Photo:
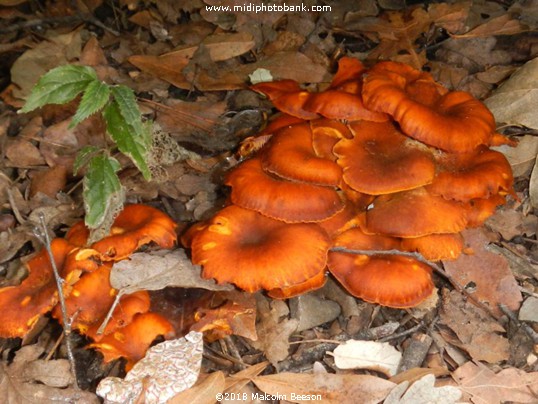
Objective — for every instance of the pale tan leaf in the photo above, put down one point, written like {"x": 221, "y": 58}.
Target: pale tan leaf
{"x": 486, "y": 387}
{"x": 226, "y": 46}
{"x": 204, "y": 392}
{"x": 523, "y": 156}
{"x": 326, "y": 388}
{"x": 504, "y": 24}
{"x": 423, "y": 391}
{"x": 378, "y": 356}
{"x": 514, "y": 102}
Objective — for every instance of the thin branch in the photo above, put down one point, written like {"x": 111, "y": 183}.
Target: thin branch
{"x": 42, "y": 234}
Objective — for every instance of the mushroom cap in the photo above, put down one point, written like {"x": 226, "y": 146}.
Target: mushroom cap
{"x": 287, "y": 96}
{"x": 135, "y": 226}
{"x": 435, "y": 247}
{"x": 309, "y": 285}
{"x": 335, "y": 104}
{"x": 455, "y": 121}
{"x": 255, "y": 252}
{"x": 356, "y": 239}
{"x": 415, "y": 213}
{"x": 388, "y": 280}
{"x": 478, "y": 210}
{"x": 24, "y": 304}
{"x": 350, "y": 71}
{"x": 380, "y": 160}
{"x": 290, "y": 155}
{"x": 465, "y": 176}
{"x": 289, "y": 201}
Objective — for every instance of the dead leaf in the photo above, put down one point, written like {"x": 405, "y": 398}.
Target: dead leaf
{"x": 514, "y": 102}
{"x": 325, "y": 387}
{"x": 204, "y": 392}
{"x": 167, "y": 369}
{"x": 523, "y": 156}
{"x": 486, "y": 387}
{"x": 18, "y": 386}
{"x": 274, "y": 329}
{"x": 492, "y": 280}
{"x": 504, "y": 24}
{"x": 451, "y": 17}
{"x": 373, "y": 355}
{"x": 478, "y": 332}
{"x": 158, "y": 270}
{"x": 423, "y": 391}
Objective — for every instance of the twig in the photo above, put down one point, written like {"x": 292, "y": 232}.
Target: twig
{"x": 528, "y": 330}
{"x": 42, "y": 234}
{"x": 414, "y": 255}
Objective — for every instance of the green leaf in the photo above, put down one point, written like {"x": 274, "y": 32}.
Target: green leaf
{"x": 94, "y": 99}
{"x": 128, "y": 107}
{"x": 83, "y": 157}
{"x": 130, "y": 143}
{"x": 59, "y": 86}
{"x": 102, "y": 190}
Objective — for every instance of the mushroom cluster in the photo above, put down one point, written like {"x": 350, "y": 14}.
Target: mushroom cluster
{"x": 384, "y": 160}
{"x": 89, "y": 296}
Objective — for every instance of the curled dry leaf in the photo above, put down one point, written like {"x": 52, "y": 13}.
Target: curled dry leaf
{"x": 378, "y": 356}
{"x": 158, "y": 270}
{"x": 423, "y": 391}
{"x": 167, "y": 369}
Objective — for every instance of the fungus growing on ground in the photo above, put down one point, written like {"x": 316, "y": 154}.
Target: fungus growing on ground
{"x": 256, "y": 252}
{"x": 386, "y": 166}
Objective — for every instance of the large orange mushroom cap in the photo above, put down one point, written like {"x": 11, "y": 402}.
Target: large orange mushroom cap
{"x": 134, "y": 227}
{"x": 380, "y": 160}
{"x": 349, "y": 74}
{"x": 453, "y": 121}
{"x": 466, "y": 176}
{"x": 24, "y": 304}
{"x": 289, "y": 201}
{"x": 255, "y": 252}
{"x": 290, "y": 155}
{"x": 415, "y": 213}
{"x": 388, "y": 280}
{"x": 355, "y": 239}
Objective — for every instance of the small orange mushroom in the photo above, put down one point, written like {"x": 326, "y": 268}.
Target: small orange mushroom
{"x": 135, "y": 226}
{"x": 24, "y": 304}
{"x": 380, "y": 160}
{"x": 309, "y": 285}
{"x": 435, "y": 247}
{"x": 255, "y": 252}
{"x": 290, "y": 201}
{"x": 290, "y": 155}
{"x": 388, "y": 280}
{"x": 415, "y": 213}
{"x": 465, "y": 176}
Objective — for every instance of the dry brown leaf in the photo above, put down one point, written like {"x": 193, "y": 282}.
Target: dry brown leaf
{"x": 476, "y": 330}
{"x": 508, "y": 222}
{"x": 504, "y": 24}
{"x": 24, "y": 381}
{"x": 274, "y": 329}
{"x": 331, "y": 388}
{"x": 523, "y": 156}
{"x": 486, "y": 387}
{"x": 238, "y": 380}
{"x": 423, "y": 391}
{"x": 203, "y": 392}
{"x": 226, "y": 46}
{"x": 158, "y": 270}
{"x": 492, "y": 280}
{"x": 514, "y": 102}
{"x": 451, "y": 17}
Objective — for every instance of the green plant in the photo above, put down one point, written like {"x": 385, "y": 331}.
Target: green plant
{"x": 103, "y": 193}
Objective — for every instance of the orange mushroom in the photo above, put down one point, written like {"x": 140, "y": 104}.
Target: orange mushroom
{"x": 290, "y": 201}
{"x": 134, "y": 227}
{"x": 255, "y": 252}
{"x": 451, "y": 121}
{"x": 23, "y": 305}
{"x": 290, "y": 155}
{"x": 348, "y": 76}
{"x": 415, "y": 213}
{"x": 435, "y": 247}
{"x": 478, "y": 210}
{"x": 380, "y": 160}
{"x": 316, "y": 282}
{"x": 388, "y": 280}
{"x": 465, "y": 176}
{"x": 133, "y": 340}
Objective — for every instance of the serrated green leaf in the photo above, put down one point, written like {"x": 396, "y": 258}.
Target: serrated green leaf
{"x": 101, "y": 189}
{"x": 94, "y": 99}
{"x": 128, "y": 107}
{"x": 83, "y": 157}
{"x": 129, "y": 142}
{"x": 59, "y": 86}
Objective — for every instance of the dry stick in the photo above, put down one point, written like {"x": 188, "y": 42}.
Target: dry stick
{"x": 42, "y": 234}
